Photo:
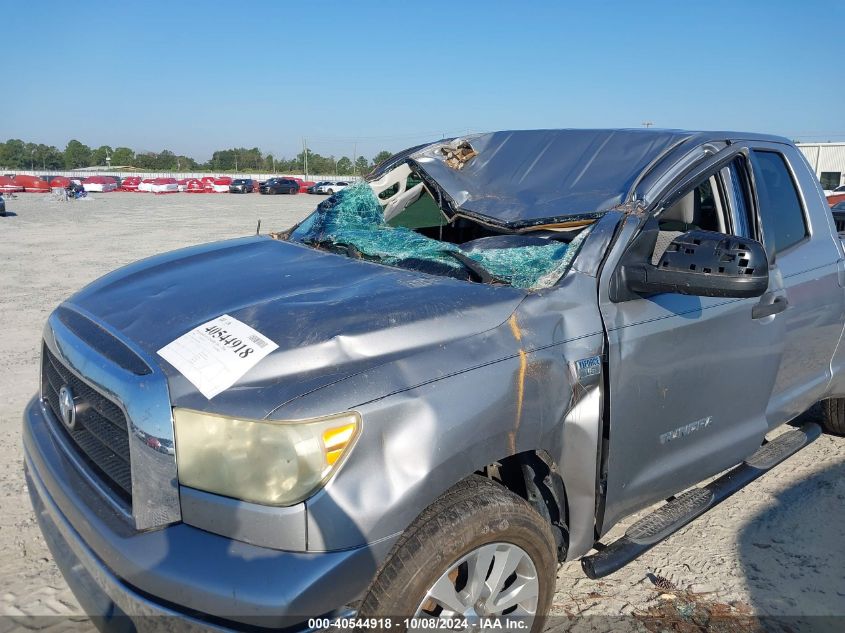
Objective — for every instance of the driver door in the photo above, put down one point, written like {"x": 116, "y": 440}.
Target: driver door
{"x": 689, "y": 377}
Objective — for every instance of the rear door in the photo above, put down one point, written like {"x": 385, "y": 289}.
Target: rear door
{"x": 689, "y": 377}
{"x": 799, "y": 233}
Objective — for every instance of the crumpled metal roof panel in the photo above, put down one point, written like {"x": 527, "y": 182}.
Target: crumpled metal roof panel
{"x": 521, "y": 177}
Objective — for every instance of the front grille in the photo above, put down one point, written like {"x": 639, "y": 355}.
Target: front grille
{"x": 100, "y": 436}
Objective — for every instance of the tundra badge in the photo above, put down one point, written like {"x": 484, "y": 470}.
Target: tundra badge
{"x": 685, "y": 430}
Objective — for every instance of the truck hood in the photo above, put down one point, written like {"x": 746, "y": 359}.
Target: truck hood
{"x": 330, "y": 315}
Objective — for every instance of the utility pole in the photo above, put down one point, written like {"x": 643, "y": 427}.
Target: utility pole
{"x": 355, "y": 158}
{"x": 305, "y": 156}
{"x": 647, "y": 124}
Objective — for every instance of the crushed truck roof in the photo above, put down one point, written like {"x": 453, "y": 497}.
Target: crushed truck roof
{"x": 530, "y": 177}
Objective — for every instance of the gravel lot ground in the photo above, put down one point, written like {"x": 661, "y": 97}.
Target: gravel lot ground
{"x": 774, "y": 549}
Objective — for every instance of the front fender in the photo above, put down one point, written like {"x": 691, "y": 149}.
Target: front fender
{"x": 415, "y": 445}
{"x": 521, "y": 392}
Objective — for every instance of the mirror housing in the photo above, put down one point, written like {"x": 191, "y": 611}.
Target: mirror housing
{"x": 704, "y": 264}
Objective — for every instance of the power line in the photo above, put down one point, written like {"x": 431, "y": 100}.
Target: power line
{"x": 351, "y": 139}
{"x": 817, "y": 133}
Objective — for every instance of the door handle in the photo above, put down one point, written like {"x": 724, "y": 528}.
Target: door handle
{"x": 762, "y": 310}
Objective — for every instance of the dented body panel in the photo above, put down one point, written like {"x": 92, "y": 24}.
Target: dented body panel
{"x": 522, "y": 177}
{"x": 494, "y": 403}
{"x": 331, "y": 316}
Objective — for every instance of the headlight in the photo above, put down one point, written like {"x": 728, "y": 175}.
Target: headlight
{"x": 264, "y": 461}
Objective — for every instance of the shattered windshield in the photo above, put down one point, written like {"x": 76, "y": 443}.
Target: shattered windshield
{"x": 352, "y": 222}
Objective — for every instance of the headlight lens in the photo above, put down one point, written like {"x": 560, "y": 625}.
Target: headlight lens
{"x": 264, "y": 461}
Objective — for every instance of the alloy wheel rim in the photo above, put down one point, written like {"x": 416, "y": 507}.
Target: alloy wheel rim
{"x": 495, "y": 580}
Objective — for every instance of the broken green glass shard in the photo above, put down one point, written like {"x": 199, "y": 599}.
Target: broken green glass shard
{"x": 353, "y": 218}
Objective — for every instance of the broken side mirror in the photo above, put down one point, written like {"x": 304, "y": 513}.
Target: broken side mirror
{"x": 705, "y": 264}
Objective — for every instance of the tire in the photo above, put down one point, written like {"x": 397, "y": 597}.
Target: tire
{"x": 331, "y": 192}
{"x": 292, "y": 191}
{"x": 833, "y": 416}
{"x": 473, "y": 518}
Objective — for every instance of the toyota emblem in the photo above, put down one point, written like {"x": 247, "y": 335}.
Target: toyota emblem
{"x": 67, "y": 407}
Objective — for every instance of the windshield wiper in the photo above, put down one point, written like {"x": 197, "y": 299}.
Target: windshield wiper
{"x": 475, "y": 269}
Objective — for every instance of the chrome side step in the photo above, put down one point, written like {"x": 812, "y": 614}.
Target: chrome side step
{"x": 671, "y": 517}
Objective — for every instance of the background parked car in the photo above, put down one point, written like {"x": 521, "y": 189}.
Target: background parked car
{"x": 130, "y": 183}
{"x": 313, "y": 188}
{"x": 31, "y": 184}
{"x": 242, "y": 185}
{"x": 838, "y": 211}
{"x": 194, "y": 185}
{"x": 164, "y": 185}
{"x": 280, "y": 185}
{"x": 303, "y": 184}
{"x": 332, "y": 187}
{"x": 835, "y": 198}
{"x": 100, "y": 184}
{"x": 8, "y": 185}
{"x": 221, "y": 184}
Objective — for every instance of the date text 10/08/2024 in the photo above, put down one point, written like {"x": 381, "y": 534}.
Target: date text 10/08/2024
{"x": 422, "y": 624}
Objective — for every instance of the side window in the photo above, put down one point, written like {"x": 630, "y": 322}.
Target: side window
{"x": 702, "y": 207}
{"x": 780, "y": 207}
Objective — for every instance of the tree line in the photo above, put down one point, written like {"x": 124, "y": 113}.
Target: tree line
{"x": 16, "y": 154}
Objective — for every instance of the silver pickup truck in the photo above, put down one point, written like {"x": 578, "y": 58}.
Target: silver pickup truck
{"x": 441, "y": 384}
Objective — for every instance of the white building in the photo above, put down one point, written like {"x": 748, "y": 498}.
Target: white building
{"x": 828, "y": 161}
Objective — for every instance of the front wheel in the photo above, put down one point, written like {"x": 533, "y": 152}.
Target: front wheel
{"x": 479, "y": 552}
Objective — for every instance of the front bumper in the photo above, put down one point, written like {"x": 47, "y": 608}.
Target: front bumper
{"x": 203, "y": 579}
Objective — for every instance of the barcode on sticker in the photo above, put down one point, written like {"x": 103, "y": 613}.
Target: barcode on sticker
{"x": 259, "y": 342}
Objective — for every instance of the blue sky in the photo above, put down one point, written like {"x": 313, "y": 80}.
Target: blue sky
{"x": 196, "y": 76}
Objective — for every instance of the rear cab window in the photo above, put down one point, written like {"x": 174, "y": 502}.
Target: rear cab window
{"x": 781, "y": 211}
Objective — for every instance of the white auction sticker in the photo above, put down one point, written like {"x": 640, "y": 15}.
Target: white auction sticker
{"x": 214, "y": 355}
